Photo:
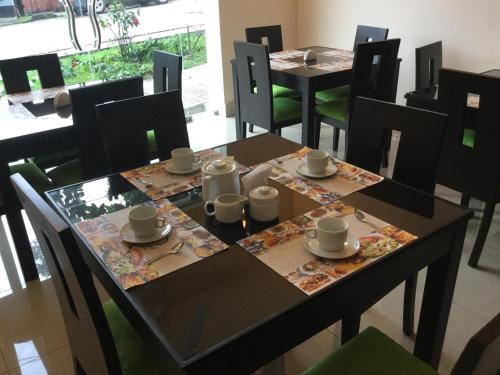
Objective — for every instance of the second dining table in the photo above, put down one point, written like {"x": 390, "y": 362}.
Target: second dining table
{"x": 239, "y": 295}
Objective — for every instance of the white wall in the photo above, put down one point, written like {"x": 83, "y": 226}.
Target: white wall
{"x": 227, "y": 20}
{"x": 469, "y": 29}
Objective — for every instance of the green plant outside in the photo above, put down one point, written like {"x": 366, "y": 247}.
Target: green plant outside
{"x": 107, "y": 64}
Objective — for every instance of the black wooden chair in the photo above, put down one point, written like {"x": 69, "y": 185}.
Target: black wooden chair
{"x": 420, "y": 130}
{"x": 132, "y": 119}
{"x": 372, "y": 352}
{"x": 257, "y": 106}
{"x": 364, "y": 34}
{"x": 470, "y": 160}
{"x": 369, "y": 79}
{"x": 428, "y": 62}
{"x": 102, "y": 340}
{"x": 167, "y": 72}
{"x": 15, "y": 72}
{"x": 91, "y": 162}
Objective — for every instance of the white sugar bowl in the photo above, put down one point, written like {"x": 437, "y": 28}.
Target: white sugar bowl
{"x": 264, "y": 203}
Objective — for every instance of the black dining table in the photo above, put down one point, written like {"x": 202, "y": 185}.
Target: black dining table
{"x": 29, "y": 126}
{"x": 230, "y": 313}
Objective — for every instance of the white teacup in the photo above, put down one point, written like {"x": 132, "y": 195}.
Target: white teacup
{"x": 144, "y": 221}
{"x": 317, "y": 161}
{"x": 184, "y": 158}
{"x": 331, "y": 233}
{"x": 227, "y": 207}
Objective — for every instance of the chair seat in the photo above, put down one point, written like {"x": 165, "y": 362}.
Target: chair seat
{"x": 285, "y": 92}
{"x": 68, "y": 173}
{"x": 333, "y": 94}
{"x": 469, "y": 138}
{"x": 286, "y": 109}
{"x": 336, "y": 109}
{"x": 135, "y": 358}
{"x": 52, "y": 159}
{"x": 34, "y": 175}
{"x": 370, "y": 352}
{"x": 152, "y": 141}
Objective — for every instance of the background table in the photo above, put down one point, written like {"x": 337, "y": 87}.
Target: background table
{"x": 29, "y": 127}
{"x": 230, "y": 313}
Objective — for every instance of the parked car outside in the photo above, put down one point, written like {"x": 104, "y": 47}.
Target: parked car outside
{"x": 80, "y": 6}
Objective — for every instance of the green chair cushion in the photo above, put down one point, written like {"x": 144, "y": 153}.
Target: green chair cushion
{"x": 34, "y": 175}
{"x": 469, "y": 138}
{"x": 152, "y": 141}
{"x": 55, "y": 158}
{"x": 333, "y": 94}
{"x": 370, "y": 352}
{"x": 285, "y": 109}
{"x": 68, "y": 173}
{"x": 284, "y": 92}
{"x": 135, "y": 358}
{"x": 336, "y": 109}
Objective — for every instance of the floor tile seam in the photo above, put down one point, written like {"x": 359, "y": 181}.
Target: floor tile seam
{"x": 40, "y": 356}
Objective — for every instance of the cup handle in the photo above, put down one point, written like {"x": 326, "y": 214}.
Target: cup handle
{"x": 160, "y": 223}
{"x": 206, "y": 208}
{"x": 311, "y": 232}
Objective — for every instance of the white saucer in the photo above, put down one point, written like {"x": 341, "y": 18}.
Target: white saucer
{"x": 330, "y": 170}
{"x": 128, "y": 235}
{"x": 171, "y": 168}
{"x": 351, "y": 247}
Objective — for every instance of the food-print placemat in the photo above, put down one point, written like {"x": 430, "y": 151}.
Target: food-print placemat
{"x": 126, "y": 260}
{"x": 157, "y": 182}
{"x": 284, "y": 60}
{"x": 281, "y": 247}
{"x": 347, "y": 180}
{"x": 287, "y": 54}
{"x": 281, "y": 64}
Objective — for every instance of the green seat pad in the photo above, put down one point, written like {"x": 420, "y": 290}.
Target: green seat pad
{"x": 34, "y": 175}
{"x": 333, "y": 94}
{"x": 65, "y": 174}
{"x": 54, "y": 158}
{"x": 152, "y": 141}
{"x": 469, "y": 138}
{"x": 285, "y": 109}
{"x": 284, "y": 92}
{"x": 336, "y": 109}
{"x": 135, "y": 358}
{"x": 370, "y": 352}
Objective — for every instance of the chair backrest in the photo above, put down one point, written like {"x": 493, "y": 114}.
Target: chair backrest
{"x": 421, "y": 139}
{"x": 365, "y": 34}
{"x": 428, "y": 62}
{"x": 90, "y": 338}
{"x": 373, "y": 71}
{"x": 471, "y": 170}
{"x": 92, "y": 155}
{"x": 254, "y": 84}
{"x": 272, "y": 33}
{"x": 482, "y": 353}
{"x": 167, "y": 72}
{"x": 14, "y": 72}
{"x": 132, "y": 119}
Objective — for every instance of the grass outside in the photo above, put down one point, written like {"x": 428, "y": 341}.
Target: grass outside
{"x": 108, "y": 64}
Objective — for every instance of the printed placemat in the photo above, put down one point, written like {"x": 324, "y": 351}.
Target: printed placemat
{"x": 158, "y": 183}
{"x": 281, "y": 247}
{"x": 126, "y": 261}
{"x": 347, "y": 180}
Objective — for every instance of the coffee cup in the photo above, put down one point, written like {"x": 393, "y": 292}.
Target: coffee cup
{"x": 227, "y": 207}
{"x": 144, "y": 221}
{"x": 184, "y": 158}
{"x": 317, "y": 161}
{"x": 331, "y": 233}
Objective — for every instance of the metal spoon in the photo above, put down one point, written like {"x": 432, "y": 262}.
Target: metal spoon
{"x": 144, "y": 182}
{"x": 173, "y": 250}
{"x": 361, "y": 217}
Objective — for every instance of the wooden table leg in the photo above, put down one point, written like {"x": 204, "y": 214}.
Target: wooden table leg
{"x": 16, "y": 225}
{"x": 308, "y": 111}
{"x": 436, "y": 303}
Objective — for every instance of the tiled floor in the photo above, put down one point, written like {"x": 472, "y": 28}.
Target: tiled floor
{"x": 33, "y": 339}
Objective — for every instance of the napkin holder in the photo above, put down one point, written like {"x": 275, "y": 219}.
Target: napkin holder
{"x": 310, "y": 55}
{"x": 255, "y": 178}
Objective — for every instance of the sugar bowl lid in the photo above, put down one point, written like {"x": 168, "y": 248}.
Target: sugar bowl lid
{"x": 264, "y": 194}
